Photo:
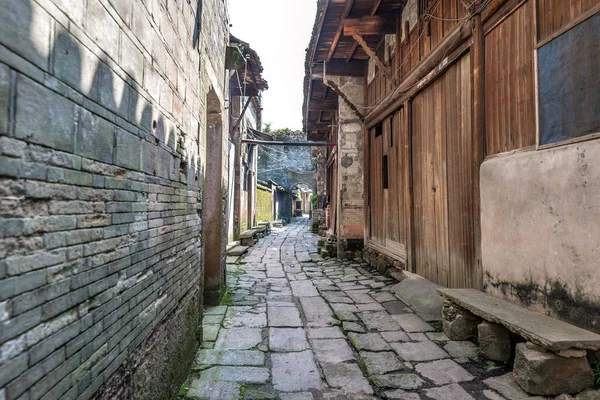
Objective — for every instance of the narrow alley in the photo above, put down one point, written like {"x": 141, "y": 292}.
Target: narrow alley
{"x": 296, "y": 327}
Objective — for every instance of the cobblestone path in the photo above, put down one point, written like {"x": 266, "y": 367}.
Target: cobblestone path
{"x": 295, "y": 327}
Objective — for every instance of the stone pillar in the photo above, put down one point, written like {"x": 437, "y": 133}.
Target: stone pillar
{"x": 458, "y": 323}
{"x": 214, "y": 208}
{"x": 494, "y": 341}
{"x": 350, "y": 158}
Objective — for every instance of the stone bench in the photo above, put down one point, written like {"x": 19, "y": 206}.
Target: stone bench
{"x": 247, "y": 237}
{"x": 267, "y": 226}
{"x": 552, "y": 361}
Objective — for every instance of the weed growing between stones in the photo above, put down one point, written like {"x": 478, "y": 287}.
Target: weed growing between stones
{"x": 596, "y": 370}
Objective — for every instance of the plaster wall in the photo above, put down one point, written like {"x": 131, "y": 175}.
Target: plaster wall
{"x": 540, "y": 216}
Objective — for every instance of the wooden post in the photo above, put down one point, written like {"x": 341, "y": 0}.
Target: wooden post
{"x": 478, "y": 62}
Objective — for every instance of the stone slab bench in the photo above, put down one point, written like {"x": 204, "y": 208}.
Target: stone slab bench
{"x": 247, "y": 237}
{"x": 552, "y": 361}
{"x": 237, "y": 251}
{"x": 548, "y": 332}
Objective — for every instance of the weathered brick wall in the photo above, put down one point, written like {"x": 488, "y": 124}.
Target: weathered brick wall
{"x": 102, "y": 154}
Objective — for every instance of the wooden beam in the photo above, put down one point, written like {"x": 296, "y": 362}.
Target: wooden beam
{"x": 325, "y": 92}
{"x": 338, "y": 66}
{"x": 355, "y": 45}
{"x": 384, "y": 69}
{"x": 371, "y": 25}
{"x": 320, "y": 105}
{"x": 478, "y": 65}
{"x": 338, "y": 33}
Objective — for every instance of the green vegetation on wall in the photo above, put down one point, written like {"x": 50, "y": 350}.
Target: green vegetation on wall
{"x": 264, "y": 205}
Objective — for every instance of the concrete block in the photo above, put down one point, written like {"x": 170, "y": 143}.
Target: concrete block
{"x": 95, "y": 138}
{"x": 494, "y": 341}
{"x": 545, "y": 373}
{"x": 44, "y": 117}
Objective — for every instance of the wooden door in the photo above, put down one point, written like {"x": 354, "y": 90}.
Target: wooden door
{"x": 442, "y": 167}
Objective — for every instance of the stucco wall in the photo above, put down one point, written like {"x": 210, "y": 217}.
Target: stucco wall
{"x": 540, "y": 215}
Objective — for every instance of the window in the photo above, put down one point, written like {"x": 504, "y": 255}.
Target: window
{"x": 378, "y": 130}
{"x": 569, "y": 83}
{"x": 384, "y": 172}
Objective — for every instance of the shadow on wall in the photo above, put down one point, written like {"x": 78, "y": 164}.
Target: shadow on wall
{"x": 115, "y": 99}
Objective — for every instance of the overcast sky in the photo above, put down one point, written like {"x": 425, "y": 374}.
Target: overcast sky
{"x": 279, "y": 30}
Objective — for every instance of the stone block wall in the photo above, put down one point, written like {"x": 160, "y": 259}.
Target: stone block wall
{"x": 350, "y": 212}
{"x": 102, "y": 158}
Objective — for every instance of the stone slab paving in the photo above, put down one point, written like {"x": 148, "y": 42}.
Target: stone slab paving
{"x": 296, "y": 327}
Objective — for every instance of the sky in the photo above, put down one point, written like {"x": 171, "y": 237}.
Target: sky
{"x": 279, "y": 30}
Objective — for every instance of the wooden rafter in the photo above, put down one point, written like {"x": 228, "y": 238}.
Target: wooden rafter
{"x": 359, "y": 39}
{"x": 355, "y": 45}
{"x": 338, "y": 33}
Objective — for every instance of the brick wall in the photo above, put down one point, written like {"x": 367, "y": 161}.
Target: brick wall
{"x": 350, "y": 204}
{"x": 102, "y": 150}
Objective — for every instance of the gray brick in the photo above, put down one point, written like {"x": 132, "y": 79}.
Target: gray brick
{"x": 56, "y": 307}
{"x": 41, "y": 350}
{"x": 75, "y": 207}
{"x": 55, "y": 240}
{"x": 9, "y": 146}
{"x": 22, "y": 264}
{"x": 95, "y": 137}
{"x": 98, "y": 181}
{"x": 47, "y": 383}
{"x": 100, "y": 247}
{"x": 10, "y": 287}
{"x": 68, "y": 176}
{"x": 84, "y": 236}
{"x": 34, "y": 374}
{"x": 116, "y": 230}
{"x": 12, "y": 369}
{"x": 103, "y": 284}
{"x": 113, "y": 183}
{"x": 17, "y": 168}
{"x": 44, "y": 117}
{"x": 88, "y": 277}
{"x": 58, "y": 223}
{"x": 96, "y": 194}
{"x": 56, "y": 191}
{"x": 20, "y": 324}
{"x": 27, "y": 301}
{"x": 83, "y": 339}
{"x": 92, "y": 221}
{"x": 20, "y": 34}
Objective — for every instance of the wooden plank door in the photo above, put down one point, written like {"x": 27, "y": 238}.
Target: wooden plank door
{"x": 442, "y": 171}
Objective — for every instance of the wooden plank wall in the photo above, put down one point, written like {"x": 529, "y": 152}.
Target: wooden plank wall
{"x": 441, "y": 19}
{"x": 556, "y": 14}
{"x": 443, "y": 179}
{"x": 389, "y": 209}
{"x": 509, "y": 82}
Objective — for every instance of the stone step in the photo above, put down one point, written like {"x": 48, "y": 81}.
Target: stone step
{"x": 237, "y": 251}
{"x": 548, "y": 332}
